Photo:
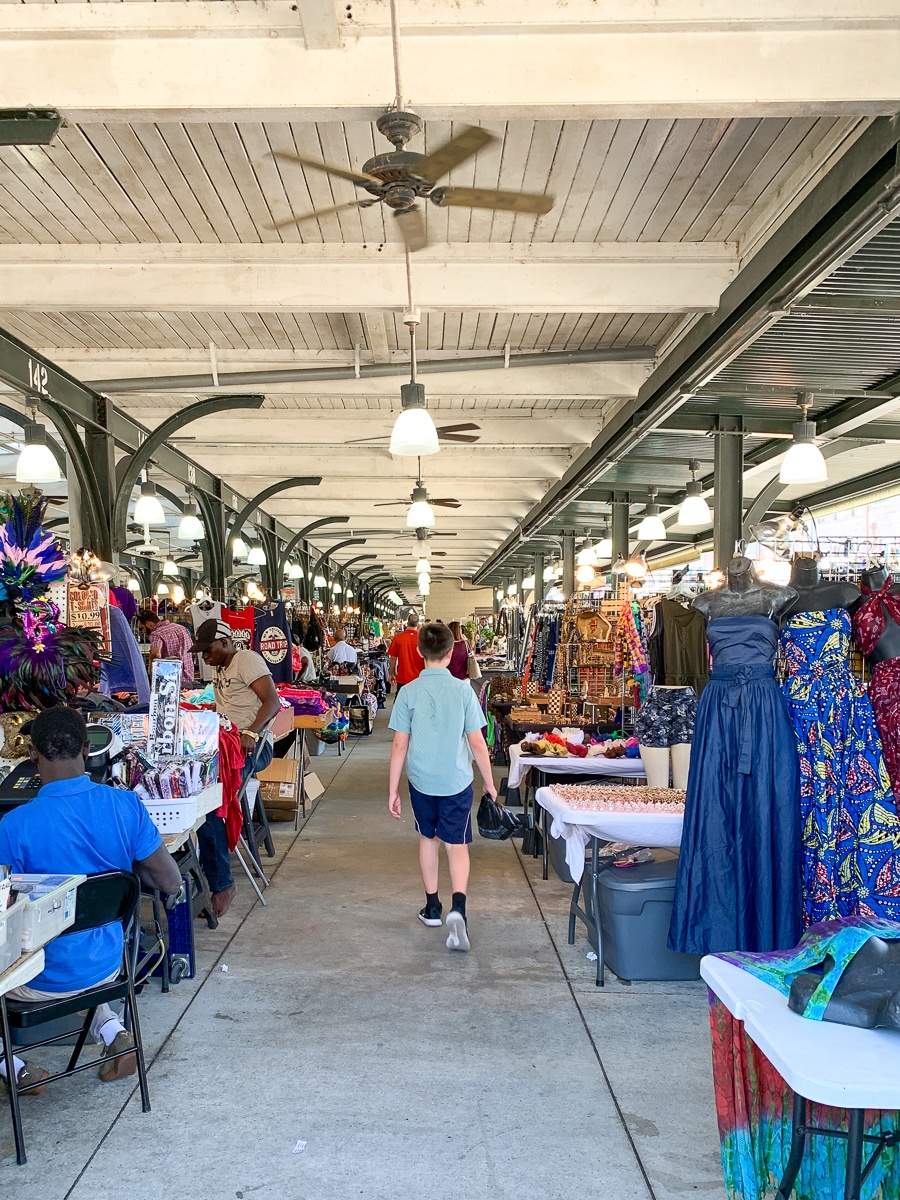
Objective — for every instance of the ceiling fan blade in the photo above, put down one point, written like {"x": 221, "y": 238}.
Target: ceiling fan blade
{"x": 469, "y": 425}
{"x": 458, "y": 437}
{"x": 358, "y": 177}
{"x": 446, "y": 503}
{"x": 321, "y": 212}
{"x": 442, "y": 535}
{"x": 463, "y": 197}
{"x": 388, "y": 503}
{"x": 467, "y": 142}
{"x": 411, "y": 223}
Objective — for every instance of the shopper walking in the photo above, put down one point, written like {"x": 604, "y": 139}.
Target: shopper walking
{"x": 403, "y": 652}
{"x": 462, "y": 652}
{"x": 437, "y": 724}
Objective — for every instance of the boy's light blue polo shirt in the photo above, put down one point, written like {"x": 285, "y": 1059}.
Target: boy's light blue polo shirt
{"x": 438, "y": 712}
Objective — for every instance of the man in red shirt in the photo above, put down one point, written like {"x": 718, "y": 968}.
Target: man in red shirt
{"x": 406, "y": 661}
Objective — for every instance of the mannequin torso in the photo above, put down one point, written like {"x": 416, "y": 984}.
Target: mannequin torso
{"x": 744, "y": 594}
{"x": 888, "y": 645}
{"x": 815, "y": 595}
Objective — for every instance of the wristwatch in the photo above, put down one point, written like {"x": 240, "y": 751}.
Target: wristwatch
{"x": 250, "y": 733}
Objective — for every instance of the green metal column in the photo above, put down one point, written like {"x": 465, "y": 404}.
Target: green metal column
{"x": 619, "y": 530}
{"x": 568, "y": 576}
{"x": 728, "y": 489}
{"x": 538, "y": 578}
{"x": 520, "y": 575}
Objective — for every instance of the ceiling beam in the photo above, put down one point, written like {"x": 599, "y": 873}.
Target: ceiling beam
{"x": 462, "y": 60}
{"x": 286, "y": 278}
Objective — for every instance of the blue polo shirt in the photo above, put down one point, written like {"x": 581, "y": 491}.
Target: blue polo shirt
{"x": 438, "y": 712}
{"x": 77, "y": 827}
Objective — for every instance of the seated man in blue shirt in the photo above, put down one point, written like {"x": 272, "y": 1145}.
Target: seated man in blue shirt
{"x": 76, "y": 827}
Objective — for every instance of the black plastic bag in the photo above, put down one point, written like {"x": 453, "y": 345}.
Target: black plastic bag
{"x": 495, "y": 821}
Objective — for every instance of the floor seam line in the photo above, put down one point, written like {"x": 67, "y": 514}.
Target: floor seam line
{"x": 187, "y": 1007}
{"x": 586, "y": 1027}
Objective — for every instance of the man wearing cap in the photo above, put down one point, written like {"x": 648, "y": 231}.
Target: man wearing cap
{"x": 245, "y": 694}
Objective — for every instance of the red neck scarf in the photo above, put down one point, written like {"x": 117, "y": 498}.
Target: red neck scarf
{"x": 870, "y": 618}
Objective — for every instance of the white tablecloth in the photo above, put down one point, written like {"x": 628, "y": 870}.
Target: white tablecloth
{"x": 578, "y": 827}
{"x": 618, "y": 768}
{"x": 823, "y": 1061}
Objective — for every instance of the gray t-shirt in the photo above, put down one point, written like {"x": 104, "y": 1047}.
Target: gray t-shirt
{"x": 231, "y": 686}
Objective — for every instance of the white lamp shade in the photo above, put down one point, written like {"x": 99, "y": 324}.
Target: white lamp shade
{"x": 414, "y": 434}
{"x": 177, "y": 593}
{"x": 337, "y": 589}
{"x": 36, "y": 463}
{"x": 586, "y": 557}
{"x": 425, "y": 588}
{"x": 420, "y": 515}
{"x": 133, "y": 585}
{"x": 190, "y": 527}
{"x": 803, "y": 463}
{"x": 603, "y": 550}
{"x": 239, "y": 549}
{"x": 652, "y": 529}
{"x": 423, "y": 565}
{"x": 170, "y": 568}
{"x": 511, "y": 590}
{"x": 256, "y": 556}
{"x": 148, "y": 510}
{"x": 295, "y": 571}
{"x": 585, "y": 573}
{"x": 350, "y": 595}
{"x": 162, "y": 589}
{"x": 500, "y": 593}
{"x": 694, "y": 513}
{"x": 528, "y": 583}
{"x": 421, "y": 548}
{"x": 320, "y": 581}
{"x": 548, "y": 574}
{"x": 636, "y": 568}
{"x": 424, "y": 577}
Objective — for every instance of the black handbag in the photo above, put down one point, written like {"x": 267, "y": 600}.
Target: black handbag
{"x": 360, "y": 719}
{"x": 496, "y": 822}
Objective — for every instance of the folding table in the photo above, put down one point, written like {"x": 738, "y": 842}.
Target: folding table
{"x": 578, "y": 827}
{"x": 820, "y": 1061}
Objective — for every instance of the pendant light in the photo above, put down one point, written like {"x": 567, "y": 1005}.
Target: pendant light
{"x": 414, "y": 434}
{"x": 133, "y": 585}
{"x": 320, "y": 581}
{"x": 423, "y": 565}
{"x": 162, "y": 589}
{"x": 425, "y": 588}
{"x": 636, "y": 567}
{"x": 36, "y": 463}
{"x": 603, "y": 550}
{"x": 177, "y": 594}
{"x": 421, "y": 514}
{"x": 421, "y": 546}
{"x": 804, "y": 462}
{"x": 500, "y": 593}
{"x": 256, "y": 556}
{"x": 585, "y": 573}
{"x": 651, "y": 528}
{"x": 586, "y": 556}
{"x": 295, "y": 571}
{"x": 619, "y": 566}
{"x": 511, "y": 590}
{"x": 239, "y": 549}
{"x": 423, "y": 578}
{"x": 190, "y": 526}
{"x": 528, "y": 583}
{"x": 336, "y": 588}
{"x": 694, "y": 512}
{"x": 170, "y": 569}
{"x": 148, "y": 510}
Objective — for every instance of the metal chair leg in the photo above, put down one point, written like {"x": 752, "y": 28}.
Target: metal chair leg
{"x": 138, "y": 1043}
{"x": 12, "y": 1089}
{"x": 246, "y": 870}
{"x": 253, "y": 862}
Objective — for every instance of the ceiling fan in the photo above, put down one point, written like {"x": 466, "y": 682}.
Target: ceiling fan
{"x": 447, "y": 433}
{"x": 421, "y": 498}
{"x": 401, "y": 177}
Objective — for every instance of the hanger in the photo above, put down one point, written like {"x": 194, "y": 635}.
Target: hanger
{"x": 683, "y": 590}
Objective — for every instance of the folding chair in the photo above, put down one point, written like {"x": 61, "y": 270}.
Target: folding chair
{"x": 256, "y": 830}
{"x": 101, "y": 900}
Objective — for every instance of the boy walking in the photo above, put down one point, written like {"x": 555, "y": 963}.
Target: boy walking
{"x": 437, "y": 725}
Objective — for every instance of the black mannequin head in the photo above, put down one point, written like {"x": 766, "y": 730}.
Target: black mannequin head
{"x": 874, "y": 578}
{"x": 804, "y": 572}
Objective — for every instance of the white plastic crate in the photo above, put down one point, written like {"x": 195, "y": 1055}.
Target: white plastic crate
{"x": 173, "y": 816}
{"x": 11, "y": 933}
{"x": 49, "y": 906}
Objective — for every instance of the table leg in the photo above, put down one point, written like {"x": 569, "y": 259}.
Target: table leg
{"x": 853, "y": 1181}
{"x": 540, "y": 781}
{"x": 11, "y": 1089}
{"x": 545, "y": 844}
{"x": 595, "y": 905}
{"x": 798, "y": 1146}
{"x": 301, "y": 799}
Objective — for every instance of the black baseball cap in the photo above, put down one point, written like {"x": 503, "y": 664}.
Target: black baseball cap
{"x": 210, "y": 631}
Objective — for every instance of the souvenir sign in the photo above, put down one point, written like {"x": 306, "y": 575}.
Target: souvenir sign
{"x": 87, "y": 606}
{"x": 164, "y": 734}
{"x": 273, "y": 645}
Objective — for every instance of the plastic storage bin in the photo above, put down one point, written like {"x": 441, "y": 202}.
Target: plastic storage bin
{"x": 172, "y": 816}
{"x": 49, "y": 906}
{"x": 11, "y": 933}
{"x": 635, "y": 911}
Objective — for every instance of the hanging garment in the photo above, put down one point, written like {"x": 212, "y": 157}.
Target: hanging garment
{"x": 869, "y": 622}
{"x": 685, "y": 657}
{"x": 738, "y": 882}
{"x": 273, "y": 641}
{"x": 850, "y": 827}
{"x": 667, "y": 718}
{"x": 242, "y": 625}
{"x": 199, "y": 613}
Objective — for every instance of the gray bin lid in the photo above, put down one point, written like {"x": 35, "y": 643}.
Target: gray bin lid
{"x": 644, "y": 878}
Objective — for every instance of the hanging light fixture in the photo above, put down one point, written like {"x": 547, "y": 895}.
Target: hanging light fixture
{"x": 295, "y": 571}
{"x": 133, "y": 585}
{"x": 714, "y": 579}
{"x": 421, "y": 546}
{"x": 320, "y": 581}
{"x": 350, "y": 595}
{"x": 804, "y": 462}
{"x": 651, "y": 528}
{"x": 421, "y": 514}
{"x": 603, "y": 550}
{"x": 528, "y": 583}
{"x": 425, "y": 588}
{"x": 500, "y": 593}
{"x": 548, "y": 573}
{"x": 36, "y": 463}
{"x": 170, "y": 569}
{"x": 414, "y": 433}
{"x": 585, "y": 573}
{"x": 336, "y": 588}
{"x": 423, "y": 565}
{"x": 694, "y": 512}
{"x": 636, "y": 567}
{"x": 423, "y": 577}
{"x": 256, "y": 556}
{"x": 199, "y": 594}
{"x": 239, "y": 549}
{"x": 177, "y": 594}
{"x": 618, "y": 567}
{"x": 190, "y": 526}
{"x": 162, "y": 589}
{"x": 586, "y": 556}
{"x": 511, "y": 590}
{"x": 148, "y": 510}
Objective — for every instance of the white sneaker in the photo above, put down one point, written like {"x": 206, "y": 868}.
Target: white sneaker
{"x": 458, "y": 931}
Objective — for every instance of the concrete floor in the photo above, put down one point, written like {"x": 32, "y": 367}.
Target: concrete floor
{"x": 346, "y": 1052}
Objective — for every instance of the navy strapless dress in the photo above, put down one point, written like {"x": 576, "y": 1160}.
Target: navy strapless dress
{"x": 738, "y": 883}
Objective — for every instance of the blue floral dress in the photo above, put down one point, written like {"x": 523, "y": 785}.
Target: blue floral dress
{"x": 850, "y": 827}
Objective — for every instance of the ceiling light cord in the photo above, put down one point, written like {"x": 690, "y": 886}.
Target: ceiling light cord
{"x": 395, "y": 43}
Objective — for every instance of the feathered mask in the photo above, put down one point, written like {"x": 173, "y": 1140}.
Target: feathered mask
{"x": 30, "y": 558}
{"x": 45, "y": 663}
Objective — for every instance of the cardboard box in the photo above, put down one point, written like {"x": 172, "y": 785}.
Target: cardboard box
{"x": 279, "y": 786}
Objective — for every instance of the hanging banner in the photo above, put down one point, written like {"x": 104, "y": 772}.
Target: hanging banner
{"x": 164, "y": 733}
{"x": 87, "y": 607}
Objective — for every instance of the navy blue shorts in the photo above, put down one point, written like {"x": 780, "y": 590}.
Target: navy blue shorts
{"x": 446, "y": 817}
